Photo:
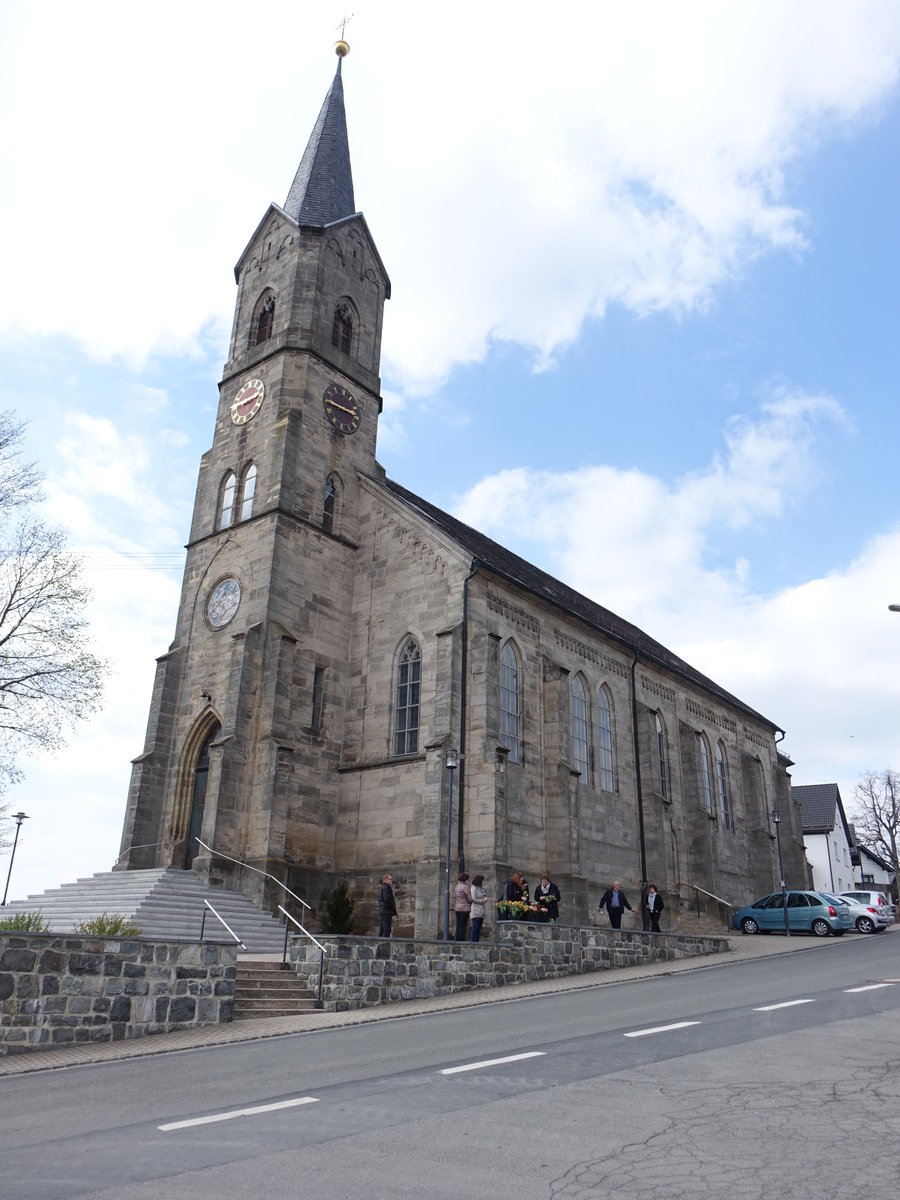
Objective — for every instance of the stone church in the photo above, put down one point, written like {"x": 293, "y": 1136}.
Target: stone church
{"x": 338, "y": 635}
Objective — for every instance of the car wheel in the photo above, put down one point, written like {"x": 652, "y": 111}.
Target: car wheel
{"x": 820, "y": 927}
{"x": 748, "y": 925}
{"x": 865, "y": 925}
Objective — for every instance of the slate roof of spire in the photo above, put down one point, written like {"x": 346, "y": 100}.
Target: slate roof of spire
{"x": 322, "y": 190}
{"x": 510, "y": 566}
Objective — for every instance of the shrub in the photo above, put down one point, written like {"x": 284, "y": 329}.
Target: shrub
{"x": 339, "y": 911}
{"x": 32, "y": 922}
{"x": 109, "y": 925}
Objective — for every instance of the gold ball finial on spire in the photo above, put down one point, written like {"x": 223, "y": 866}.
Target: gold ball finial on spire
{"x": 342, "y": 48}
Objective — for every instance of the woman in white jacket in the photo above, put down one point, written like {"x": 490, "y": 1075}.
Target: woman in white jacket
{"x": 479, "y": 895}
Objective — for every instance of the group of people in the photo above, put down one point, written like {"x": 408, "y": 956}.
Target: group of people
{"x": 470, "y": 901}
{"x": 615, "y": 902}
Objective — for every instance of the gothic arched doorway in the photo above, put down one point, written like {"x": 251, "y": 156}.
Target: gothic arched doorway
{"x": 198, "y": 795}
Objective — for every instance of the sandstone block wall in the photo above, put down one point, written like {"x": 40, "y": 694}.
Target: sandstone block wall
{"x": 361, "y": 972}
{"x": 58, "y": 989}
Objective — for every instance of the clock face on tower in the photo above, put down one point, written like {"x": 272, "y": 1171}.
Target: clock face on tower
{"x": 223, "y": 602}
{"x": 341, "y": 409}
{"x": 248, "y": 401}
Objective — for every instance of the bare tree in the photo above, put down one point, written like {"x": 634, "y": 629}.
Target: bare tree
{"x": 877, "y": 815}
{"x": 49, "y": 679}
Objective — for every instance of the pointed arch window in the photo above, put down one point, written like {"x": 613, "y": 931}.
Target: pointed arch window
{"x": 580, "y": 728}
{"x": 406, "y": 699}
{"x": 606, "y": 775}
{"x": 226, "y": 508}
{"x": 722, "y": 781}
{"x": 342, "y": 327}
{"x": 328, "y": 508}
{"x": 265, "y": 321}
{"x": 662, "y": 757}
{"x": 248, "y": 492}
{"x": 706, "y": 790}
{"x": 509, "y": 702}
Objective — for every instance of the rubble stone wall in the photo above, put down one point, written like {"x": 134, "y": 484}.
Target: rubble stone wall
{"x": 57, "y": 989}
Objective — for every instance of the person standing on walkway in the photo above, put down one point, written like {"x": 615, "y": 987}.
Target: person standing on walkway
{"x": 479, "y": 909}
{"x": 387, "y": 907}
{"x": 546, "y": 897}
{"x": 654, "y": 906}
{"x": 462, "y": 905}
{"x": 614, "y": 900}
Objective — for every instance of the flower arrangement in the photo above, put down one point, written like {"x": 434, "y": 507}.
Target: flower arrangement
{"x": 513, "y": 910}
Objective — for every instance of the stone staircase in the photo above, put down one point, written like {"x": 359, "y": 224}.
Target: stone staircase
{"x": 165, "y": 902}
{"x": 262, "y": 989}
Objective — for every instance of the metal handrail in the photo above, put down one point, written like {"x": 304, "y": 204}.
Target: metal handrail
{"x": 219, "y": 854}
{"x": 712, "y": 896}
{"x": 224, "y": 922}
{"x": 284, "y": 962}
{"x": 145, "y": 846}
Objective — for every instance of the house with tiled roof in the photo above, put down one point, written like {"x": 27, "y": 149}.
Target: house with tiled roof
{"x": 827, "y": 835}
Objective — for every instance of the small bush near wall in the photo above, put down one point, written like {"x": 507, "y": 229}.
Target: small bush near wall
{"x": 59, "y": 989}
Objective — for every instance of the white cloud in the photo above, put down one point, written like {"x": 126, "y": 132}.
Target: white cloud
{"x": 630, "y": 155}
{"x": 811, "y": 657}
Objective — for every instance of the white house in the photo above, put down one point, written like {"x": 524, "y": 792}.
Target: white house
{"x": 827, "y": 836}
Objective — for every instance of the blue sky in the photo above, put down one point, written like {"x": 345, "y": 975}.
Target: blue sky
{"x": 643, "y": 326}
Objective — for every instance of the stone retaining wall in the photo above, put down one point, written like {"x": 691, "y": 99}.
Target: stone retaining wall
{"x": 61, "y": 988}
{"x": 360, "y": 972}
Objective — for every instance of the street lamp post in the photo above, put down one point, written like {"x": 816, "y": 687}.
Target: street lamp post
{"x": 18, "y": 817}
{"x": 776, "y": 817}
{"x": 452, "y": 761}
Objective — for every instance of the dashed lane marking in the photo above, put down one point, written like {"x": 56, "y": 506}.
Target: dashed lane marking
{"x": 784, "y": 1004}
{"x": 871, "y": 987}
{"x": 492, "y": 1062}
{"x": 237, "y": 1112}
{"x": 661, "y": 1029}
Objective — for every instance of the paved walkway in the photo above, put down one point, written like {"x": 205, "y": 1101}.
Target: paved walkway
{"x": 742, "y": 948}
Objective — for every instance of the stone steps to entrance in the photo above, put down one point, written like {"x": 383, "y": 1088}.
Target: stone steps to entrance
{"x": 165, "y": 902}
{"x": 262, "y": 989}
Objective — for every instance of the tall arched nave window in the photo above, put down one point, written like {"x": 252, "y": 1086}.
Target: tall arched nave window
{"x": 722, "y": 780}
{"x": 509, "y": 702}
{"x": 662, "y": 757}
{"x": 706, "y": 789}
{"x": 406, "y": 699}
{"x": 606, "y": 775}
{"x": 580, "y": 730}
{"x": 330, "y": 504}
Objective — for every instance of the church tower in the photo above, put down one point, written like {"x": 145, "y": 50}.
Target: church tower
{"x": 238, "y": 753}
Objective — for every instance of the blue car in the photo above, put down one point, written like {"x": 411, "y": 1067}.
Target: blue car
{"x": 807, "y": 912}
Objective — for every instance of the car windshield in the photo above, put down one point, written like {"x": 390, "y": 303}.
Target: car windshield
{"x": 835, "y": 899}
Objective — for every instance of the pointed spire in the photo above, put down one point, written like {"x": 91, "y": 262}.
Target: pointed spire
{"x": 322, "y": 190}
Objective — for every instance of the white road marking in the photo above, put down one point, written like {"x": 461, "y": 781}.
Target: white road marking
{"x": 492, "y": 1062}
{"x": 237, "y": 1112}
{"x": 870, "y": 987}
{"x": 785, "y": 1004}
{"x": 661, "y": 1028}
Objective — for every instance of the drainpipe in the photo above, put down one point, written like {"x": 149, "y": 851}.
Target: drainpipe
{"x": 461, "y": 789}
{"x": 637, "y": 770}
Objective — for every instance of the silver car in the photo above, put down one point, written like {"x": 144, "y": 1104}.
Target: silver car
{"x": 878, "y": 909}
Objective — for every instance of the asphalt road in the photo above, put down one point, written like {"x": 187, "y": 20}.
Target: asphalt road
{"x": 688, "y": 1085}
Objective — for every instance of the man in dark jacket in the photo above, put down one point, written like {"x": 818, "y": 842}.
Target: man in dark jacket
{"x": 614, "y": 900}
{"x": 387, "y": 907}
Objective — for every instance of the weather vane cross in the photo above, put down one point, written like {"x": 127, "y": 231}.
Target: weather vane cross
{"x": 343, "y": 25}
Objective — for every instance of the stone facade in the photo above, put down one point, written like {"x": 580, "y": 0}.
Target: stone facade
{"x": 272, "y": 725}
{"x": 56, "y": 990}
{"x": 360, "y": 973}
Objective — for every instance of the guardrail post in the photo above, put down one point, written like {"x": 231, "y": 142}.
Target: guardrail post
{"x": 284, "y": 961}
{"x": 202, "y": 925}
{"x": 318, "y": 1003}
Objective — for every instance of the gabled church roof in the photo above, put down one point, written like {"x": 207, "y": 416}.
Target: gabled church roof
{"x": 322, "y": 190}
{"x": 516, "y": 570}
